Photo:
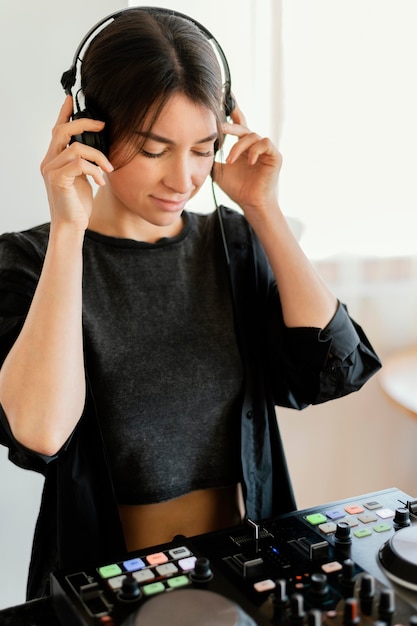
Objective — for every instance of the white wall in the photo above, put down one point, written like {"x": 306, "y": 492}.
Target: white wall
{"x": 37, "y": 43}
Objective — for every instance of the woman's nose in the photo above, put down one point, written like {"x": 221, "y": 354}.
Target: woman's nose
{"x": 178, "y": 176}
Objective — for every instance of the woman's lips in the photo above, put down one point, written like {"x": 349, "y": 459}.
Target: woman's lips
{"x": 169, "y": 204}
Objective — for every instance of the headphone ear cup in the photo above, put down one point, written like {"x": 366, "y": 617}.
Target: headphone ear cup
{"x": 88, "y": 138}
{"x": 229, "y": 103}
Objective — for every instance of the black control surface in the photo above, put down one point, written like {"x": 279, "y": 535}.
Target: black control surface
{"x": 334, "y": 564}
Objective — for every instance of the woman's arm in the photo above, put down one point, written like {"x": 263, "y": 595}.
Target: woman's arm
{"x": 42, "y": 380}
{"x": 250, "y": 178}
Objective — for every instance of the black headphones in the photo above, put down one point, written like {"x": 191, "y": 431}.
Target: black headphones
{"x": 69, "y": 78}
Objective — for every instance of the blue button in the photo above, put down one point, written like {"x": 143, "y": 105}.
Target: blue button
{"x": 133, "y": 564}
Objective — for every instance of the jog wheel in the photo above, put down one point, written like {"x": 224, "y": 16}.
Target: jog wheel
{"x": 398, "y": 557}
{"x": 188, "y": 607}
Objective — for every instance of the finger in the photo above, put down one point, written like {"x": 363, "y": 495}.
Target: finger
{"x": 262, "y": 148}
{"x": 76, "y": 152}
{"x": 245, "y": 142}
{"x": 254, "y": 147}
{"x": 238, "y": 130}
{"x": 62, "y": 134}
{"x": 65, "y": 112}
{"x": 65, "y": 176}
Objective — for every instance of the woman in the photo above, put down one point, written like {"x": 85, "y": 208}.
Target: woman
{"x": 153, "y": 344}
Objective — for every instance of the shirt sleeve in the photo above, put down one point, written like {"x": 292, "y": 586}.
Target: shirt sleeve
{"x": 20, "y": 265}
{"x": 325, "y": 364}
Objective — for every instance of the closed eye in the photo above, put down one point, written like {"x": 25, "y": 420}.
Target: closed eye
{"x": 157, "y": 155}
{"x": 151, "y": 155}
{"x": 209, "y": 153}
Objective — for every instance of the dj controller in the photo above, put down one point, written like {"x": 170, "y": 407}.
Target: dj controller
{"x": 347, "y": 563}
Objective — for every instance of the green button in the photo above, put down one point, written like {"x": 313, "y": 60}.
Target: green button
{"x": 316, "y": 518}
{"x": 109, "y": 570}
{"x": 178, "y": 581}
{"x": 363, "y": 532}
{"x": 153, "y": 588}
{"x": 382, "y": 528}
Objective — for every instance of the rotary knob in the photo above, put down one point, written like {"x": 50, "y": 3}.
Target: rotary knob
{"x": 129, "y": 591}
{"x": 202, "y": 571}
{"x": 401, "y": 518}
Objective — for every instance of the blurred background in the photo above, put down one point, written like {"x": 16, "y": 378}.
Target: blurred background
{"x": 332, "y": 83}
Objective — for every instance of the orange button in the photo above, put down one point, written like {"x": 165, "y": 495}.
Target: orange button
{"x": 353, "y": 509}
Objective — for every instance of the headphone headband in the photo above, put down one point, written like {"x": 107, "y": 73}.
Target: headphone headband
{"x": 69, "y": 77}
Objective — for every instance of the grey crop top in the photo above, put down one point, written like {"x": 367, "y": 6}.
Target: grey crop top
{"x": 163, "y": 362}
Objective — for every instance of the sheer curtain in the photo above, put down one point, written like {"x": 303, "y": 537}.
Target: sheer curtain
{"x": 349, "y": 138}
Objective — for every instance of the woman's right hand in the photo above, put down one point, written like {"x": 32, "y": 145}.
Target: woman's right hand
{"x": 65, "y": 169}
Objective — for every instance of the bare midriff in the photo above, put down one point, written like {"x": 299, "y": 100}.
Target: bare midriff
{"x": 195, "y": 513}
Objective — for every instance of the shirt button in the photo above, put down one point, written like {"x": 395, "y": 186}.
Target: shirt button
{"x": 249, "y": 415}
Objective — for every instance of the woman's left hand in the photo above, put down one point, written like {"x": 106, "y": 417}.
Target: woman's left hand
{"x": 250, "y": 174}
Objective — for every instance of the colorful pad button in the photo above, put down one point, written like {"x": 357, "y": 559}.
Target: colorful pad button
{"x": 362, "y": 532}
{"x": 157, "y": 558}
{"x": 328, "y": 528}
{"x": 153, "y": 588}
{"x": 187, "y": 564}
{"x": 166, "y": 569}
{"x": 381, "y": 528}
{"x": 385, "y": 513}
{"x": 133, "y": 564}
{"x": 178, "y": 581}
{"x": 335, "y": 514}
{"x": 354, "y": 509}
{"x": 316, "y": 518}
{"x": 350, "y": 521}
{"x": 143, "y": 574}
{"x": 366, "y": 518}
{"x": 333, "y": 566}
{"x": 179, "y": 553}
{"x": 264, "y": 585}
{"x": 116, "y": 582}
{"x": 374, "y": 504}
{"x": 108, "y": 571}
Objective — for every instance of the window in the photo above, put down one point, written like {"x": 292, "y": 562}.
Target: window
{"x": 349, "y": 132}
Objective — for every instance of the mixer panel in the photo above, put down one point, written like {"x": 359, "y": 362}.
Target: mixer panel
{"x": 334, "y": 564}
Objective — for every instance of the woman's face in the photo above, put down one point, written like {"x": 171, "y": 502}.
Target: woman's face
{"x": 172, "y": 162}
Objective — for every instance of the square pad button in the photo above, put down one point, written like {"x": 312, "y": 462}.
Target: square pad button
{"x": 328, "y": 528}
{"x": 166, "y": 569}
{"x": 179, "y": 553}
{"x": 385, "y": 513}
{"x": 372, "y": 505}
{"x": 187, "y": 564}
{"x": 333, "y": 566}
{"x": 316, "y": 518}
{"x": 108, "y": 571}
{"x": 133, "y": 564}
{"x": 177, "y": 582}
{"x": 366, "y": 518}
{"x": 335, "y": 514}
{"x": 350, "y": 521}
{"x": 362, "y": 532}
{"x": 354, "y": 509}
{"x": 157, "y": 558}
{"x": 153, "y": 588}
{"x": 116, "y": 582}
{"x": 381, "y": 528}
{"x": 143, "y": 575}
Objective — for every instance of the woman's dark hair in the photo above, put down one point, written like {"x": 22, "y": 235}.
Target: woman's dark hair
{"x": 141, "y": 59}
